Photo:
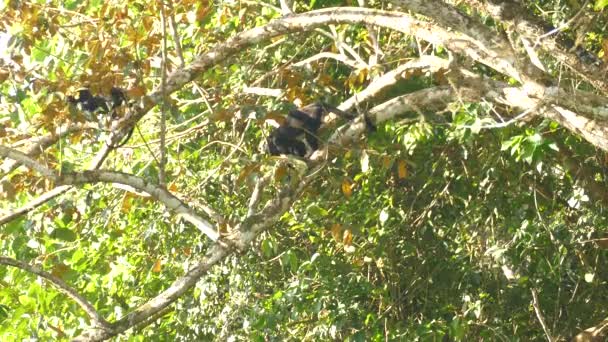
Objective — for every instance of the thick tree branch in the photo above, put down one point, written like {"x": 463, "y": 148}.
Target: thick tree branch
{"x": 159, "y": 193}
{"x": 99, "y": 322}
{"x": 37, "y": 145}
{"x": 244, "y": 234}
{"x": 517, "y": 18}
{"x": 31, "y": 205}
{"x": 339, "y": 57}
{"x": 595, "y": 333}
{"x": 401, "y": 22}
{"x": 424, "y": 63}
{"x": 447, "y": 15}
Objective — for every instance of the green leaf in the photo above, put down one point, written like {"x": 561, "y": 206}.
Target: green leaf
{"x": 600, "y": 4}
{"x": 64, "y": 234}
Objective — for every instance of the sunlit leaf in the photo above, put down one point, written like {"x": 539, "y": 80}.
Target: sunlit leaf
{"x": 364, "y": 161}
{"x": 347, "y": 237}
{"x": 126, "y": 203}
{"x": 347, "y": 188}
{"x": 157, "y": 266}
{"x": 600, "y": 5}
{"x": 402, "y": 169}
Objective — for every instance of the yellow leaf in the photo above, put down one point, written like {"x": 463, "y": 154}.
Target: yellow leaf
{"x": 224, "y": 17}
{"x": 156, "y": 267}
{"x": 347, "y": 188}
{"x": 347, "y": 237}
{"x": 336, "y": 232}
{"x": 362, "y": 75}
{"x": 172, "y": 187}
{"x": 126, "y": 203}
{"x": 402, "y": 169}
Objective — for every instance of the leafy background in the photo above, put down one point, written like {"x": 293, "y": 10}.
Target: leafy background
{"x": 424, "y": 231}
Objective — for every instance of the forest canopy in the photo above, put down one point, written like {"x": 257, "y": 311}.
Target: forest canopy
{"x": 463, "y": 198}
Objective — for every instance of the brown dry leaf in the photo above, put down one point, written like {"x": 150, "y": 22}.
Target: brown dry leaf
{"x": 347, "y": 237}
{"x": 402, "y": 169}
{"x": 222, "y": 115}
{"x": 605, "y": 48}
{"x": 246, "y": 171}
{"x": 147, "y": 22}
{"x": 325, "y": 80}
{"x": 362, "y": 75}
{"x": 4, "y": 75}
{"x": 602, "y": 243}
{"x": 136, "y": 91}
{"x": 358, "y": 262}
{"x": 202, "y": 10}
{"x": 7, "y": 190}
{"x": 336, "y": 232}
{"x": 276, "y": 116}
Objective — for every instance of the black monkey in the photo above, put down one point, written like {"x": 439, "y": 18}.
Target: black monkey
{"x": 90, "y": 104}
{"x": 297, "y": 135}
{"x": 100, "y": 108}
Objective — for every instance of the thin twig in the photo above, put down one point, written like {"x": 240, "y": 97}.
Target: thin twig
{"x": 256, "y": 195}
{"x": 162, "y": 177}
{"x": 176, "y": 38}
{"x": 539, "y": 315}
{"x": 563, "y": 26}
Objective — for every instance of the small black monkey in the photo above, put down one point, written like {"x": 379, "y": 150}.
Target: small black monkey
{"x": 297, "y": 135}
{"x": 100, "y": 108}
{"x": 89, "y": 103}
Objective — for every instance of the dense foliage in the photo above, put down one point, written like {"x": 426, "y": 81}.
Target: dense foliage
{"x": 463, "y": 222}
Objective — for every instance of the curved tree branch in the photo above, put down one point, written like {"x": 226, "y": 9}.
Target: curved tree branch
{"x": 518, "y": 19}
{"x": 397, "y": 21}
{"x": 99, "y": 322}
{"x": 246, "y": 232}
{"x": 38, "y": 144}
{"x": 31, "y": 205}
{"x": 94, "y": 176}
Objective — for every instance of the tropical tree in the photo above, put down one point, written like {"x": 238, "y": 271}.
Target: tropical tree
{"x": 475, "y": 210}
